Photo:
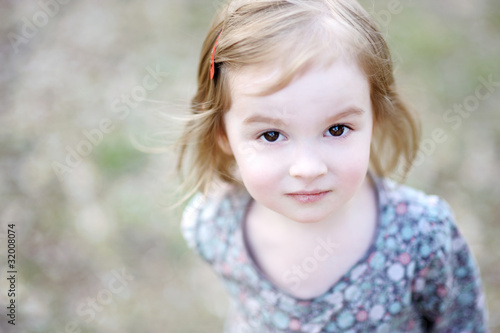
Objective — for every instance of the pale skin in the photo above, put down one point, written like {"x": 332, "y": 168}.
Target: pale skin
{"x": 303, "y": 155}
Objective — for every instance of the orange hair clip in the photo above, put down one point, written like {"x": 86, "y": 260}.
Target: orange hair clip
{"x": 212, "y": 67}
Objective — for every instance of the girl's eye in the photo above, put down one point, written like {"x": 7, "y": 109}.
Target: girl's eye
{"x": 338, "y": 130}
{"x": 271, "y": 136}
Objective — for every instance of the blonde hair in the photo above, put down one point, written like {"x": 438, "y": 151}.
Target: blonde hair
{"x": 294, "y": 34}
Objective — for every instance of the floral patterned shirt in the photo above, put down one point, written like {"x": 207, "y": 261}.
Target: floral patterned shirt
{"x": 418, "y": 275}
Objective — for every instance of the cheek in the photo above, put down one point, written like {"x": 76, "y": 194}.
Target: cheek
{"x": 259, "y": 173}
{"x": 352, "y": 170}
{"x": 355, "y": 172}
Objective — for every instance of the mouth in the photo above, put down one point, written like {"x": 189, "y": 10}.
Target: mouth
{"x": 308, "y": 196}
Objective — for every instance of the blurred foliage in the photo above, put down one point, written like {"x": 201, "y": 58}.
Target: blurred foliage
{"x": 117, "y": 157}
{"x": 75, "y": 231}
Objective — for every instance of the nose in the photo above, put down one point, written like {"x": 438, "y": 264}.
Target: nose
{"x": 308, "y": 163}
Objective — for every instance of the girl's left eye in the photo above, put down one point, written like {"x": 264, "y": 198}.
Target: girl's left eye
{"x": 338, "y": 130}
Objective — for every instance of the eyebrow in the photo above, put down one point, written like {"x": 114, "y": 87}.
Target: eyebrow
{"x": 263, "y": 119}
{"x": 350, "y": 111}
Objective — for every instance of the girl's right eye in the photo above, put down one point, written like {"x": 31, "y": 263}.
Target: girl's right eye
{"x": 271, "y": 136}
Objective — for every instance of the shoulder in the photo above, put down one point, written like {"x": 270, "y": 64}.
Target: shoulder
{"x": 423, "y": 221}
{"x": 208, "y": 220}
{"x": 446, "y": 283}
{"x": 411, "y": 202}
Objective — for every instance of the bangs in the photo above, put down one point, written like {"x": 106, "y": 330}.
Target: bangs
{"x": 313, "y": 47}
{"x": 299, "y": 39}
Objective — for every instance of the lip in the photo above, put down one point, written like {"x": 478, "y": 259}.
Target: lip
{"x": 308, "y": 196}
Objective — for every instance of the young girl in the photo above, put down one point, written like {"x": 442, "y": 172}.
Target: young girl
{"x": 296, "y": 124}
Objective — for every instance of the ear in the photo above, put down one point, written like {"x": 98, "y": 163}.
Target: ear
{"x": 223, "y": 143}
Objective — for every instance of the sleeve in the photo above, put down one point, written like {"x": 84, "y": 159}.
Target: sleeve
{"x": 448, "y": 291}
{"x": 204, "y": 226}
{"x": 189, "y": 222}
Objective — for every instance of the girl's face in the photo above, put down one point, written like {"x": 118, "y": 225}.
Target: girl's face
{"x": 303, "y": 151}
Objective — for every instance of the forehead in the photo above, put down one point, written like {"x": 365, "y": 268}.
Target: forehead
{"x": 339, "y": 82}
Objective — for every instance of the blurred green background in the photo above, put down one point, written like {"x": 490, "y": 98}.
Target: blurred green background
{"x": 98, "y": 250}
